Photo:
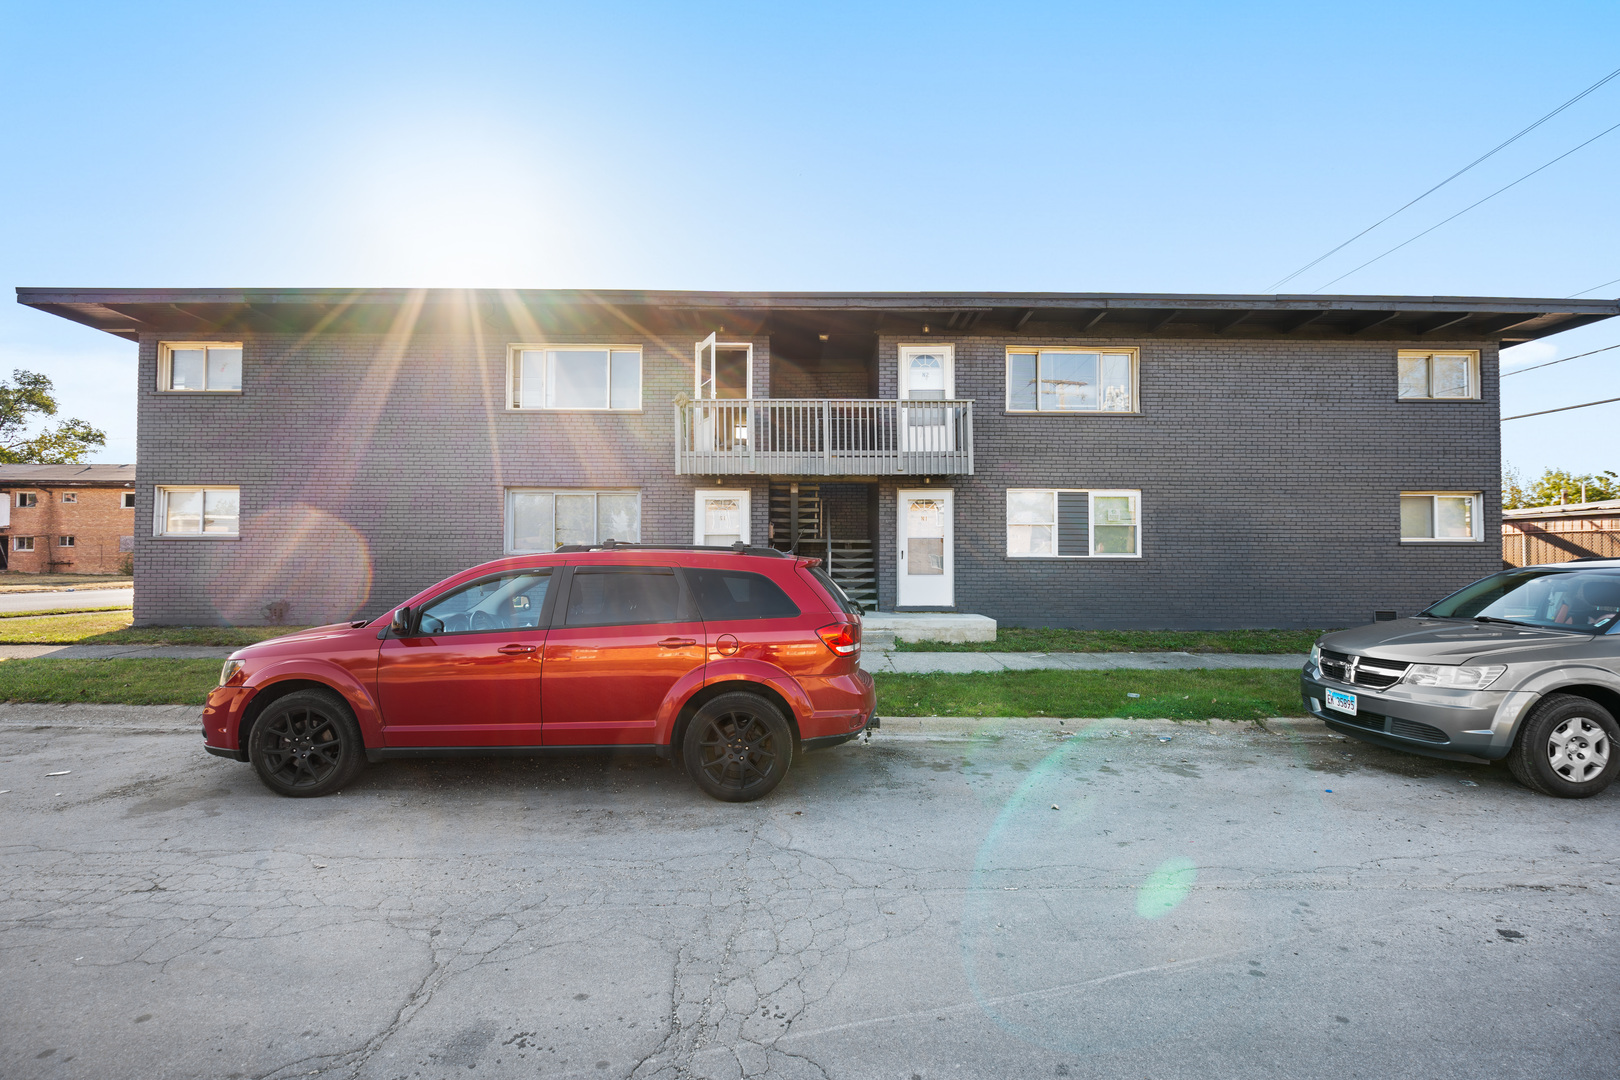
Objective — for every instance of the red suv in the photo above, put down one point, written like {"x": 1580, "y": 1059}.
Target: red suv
{"x": 731, "y": 659}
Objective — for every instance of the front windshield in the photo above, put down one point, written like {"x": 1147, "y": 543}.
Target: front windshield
{"x": 1587, "y": 600}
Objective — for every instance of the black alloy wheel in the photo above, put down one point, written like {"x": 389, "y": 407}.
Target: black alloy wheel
{"x": 738, "y": 747}
{"x": 306, "y": 744}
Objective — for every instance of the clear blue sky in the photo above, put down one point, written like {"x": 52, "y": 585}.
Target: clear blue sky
{"x": 1156, "y": 147}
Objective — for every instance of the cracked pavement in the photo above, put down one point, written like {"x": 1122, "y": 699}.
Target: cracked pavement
{"x": 957, "y": 898}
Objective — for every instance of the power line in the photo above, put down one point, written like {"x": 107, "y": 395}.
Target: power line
{"x": 1467, "y": 208}
{"x": 1447, "y": 180}
{"x": 1566, "y": 408}
{"x": 1550, "y": 363}
{"x": 1594, "y": 288}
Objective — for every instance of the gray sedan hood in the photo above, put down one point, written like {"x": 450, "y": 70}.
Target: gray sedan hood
{"x": 1450, "y": 641}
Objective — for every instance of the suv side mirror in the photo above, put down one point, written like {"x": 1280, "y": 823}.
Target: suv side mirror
{"x": 401, "y": 624}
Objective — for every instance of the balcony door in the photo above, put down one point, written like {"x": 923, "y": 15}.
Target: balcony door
{"x": 926, "y": 537}
{"x": 928, "y": 373}
{"x": 724, "y": 371}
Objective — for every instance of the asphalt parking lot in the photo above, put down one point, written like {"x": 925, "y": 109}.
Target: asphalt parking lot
{"x": 962, "y": 899}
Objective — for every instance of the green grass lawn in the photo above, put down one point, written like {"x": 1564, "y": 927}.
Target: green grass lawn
{"x": 112, "y": 628}
{"x": 108, "y": 682}
{"x": 1174, "y": 695}
{"x": 1245, "y": 694}
{"x": 1048, "y": 639}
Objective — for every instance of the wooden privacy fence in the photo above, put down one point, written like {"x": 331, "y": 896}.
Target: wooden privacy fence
{"x": 1530, "y": 543}
{"x": 824, "y": 437}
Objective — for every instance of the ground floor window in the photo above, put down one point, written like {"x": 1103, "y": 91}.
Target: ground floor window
{"x": 1452, "y": 516}
{"x": 22, "y": 543}
{"x": 721, "y": 518}
{"x": 1061, "y": 523}
{"x": 544, "y": 520}
{"x": 198, "y": 511}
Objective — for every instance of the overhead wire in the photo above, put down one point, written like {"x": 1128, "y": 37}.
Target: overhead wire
{"x": 1560, "y": 360}
{"x": 1565, "y": 408}
{"x": 1447, "y": 180}
{"x": 1594, "y": 288}
{"x": 1467, "y": 208}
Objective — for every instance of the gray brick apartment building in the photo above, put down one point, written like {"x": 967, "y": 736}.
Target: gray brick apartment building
{"x": 1086, "y": 460}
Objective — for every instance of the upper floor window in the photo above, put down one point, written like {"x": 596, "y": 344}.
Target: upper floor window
{"x": 596, "y": 377}
{"x": 70, "y": 496}
{"x": 207, "y": 366}
{"x": 1071, "y": 380}
{"x": 1059, "y": 523}
{"x": 546, "y": 520}
{"x": 198, "y": 511}
{"x": 27, "y": 498}
{"x": 64, "y": 541}
{"x": 1440, "y": 516}
{"x": 1429, "y": 376}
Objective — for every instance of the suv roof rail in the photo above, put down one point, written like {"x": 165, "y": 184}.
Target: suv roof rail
{"x": 739, "y": 548}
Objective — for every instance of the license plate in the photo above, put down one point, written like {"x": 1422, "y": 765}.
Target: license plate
{"x": 1345, "y": 703}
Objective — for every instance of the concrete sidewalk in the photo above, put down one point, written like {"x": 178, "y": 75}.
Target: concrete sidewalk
{"x": 115, "y": 652}
{"x": 965, "y": 663}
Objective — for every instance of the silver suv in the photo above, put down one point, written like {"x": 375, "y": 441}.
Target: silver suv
{"x": 1522, "y": 665}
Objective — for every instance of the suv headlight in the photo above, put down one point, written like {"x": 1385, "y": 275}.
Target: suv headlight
{"x": 1466, "y": 677}
{"x": 231, "y": 670}
{"x": 1316, "y": 655}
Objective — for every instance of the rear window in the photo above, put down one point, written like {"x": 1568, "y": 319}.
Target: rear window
{"x": 839, "y": 597}
{"x": 623, "y": 596}
{"x": 727, "y": 595}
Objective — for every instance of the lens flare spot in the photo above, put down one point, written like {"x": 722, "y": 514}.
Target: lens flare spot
{"x": 1166, "y": 887}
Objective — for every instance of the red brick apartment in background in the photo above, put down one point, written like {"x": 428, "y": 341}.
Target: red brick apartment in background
{"x": 67, "y": 519}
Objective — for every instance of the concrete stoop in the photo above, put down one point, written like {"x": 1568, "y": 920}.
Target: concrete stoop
{"x": 880, "y": 629}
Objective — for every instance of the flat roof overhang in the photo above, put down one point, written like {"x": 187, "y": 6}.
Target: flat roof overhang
{"x": 131, "y": 312}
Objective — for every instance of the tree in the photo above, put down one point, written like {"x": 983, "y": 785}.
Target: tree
{"x": 21, "y": 405}
{"x": 1556, "y": 486}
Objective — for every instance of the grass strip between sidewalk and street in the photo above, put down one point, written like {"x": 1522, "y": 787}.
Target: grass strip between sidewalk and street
{"x": 101, "y": 627}
{"x": 1243, "y": 694}
{"x": 1229, "y": 694}
{"x": 1052, "y": 639}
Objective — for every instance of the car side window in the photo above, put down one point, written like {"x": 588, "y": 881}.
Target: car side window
{"x": 624, "y": 596}
{"x": 730, "y": 595}
{"x": 504, "y": 602}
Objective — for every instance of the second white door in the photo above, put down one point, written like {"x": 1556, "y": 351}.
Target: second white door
{"x": 926, "y": 535}
{"x": 721, "y": 517}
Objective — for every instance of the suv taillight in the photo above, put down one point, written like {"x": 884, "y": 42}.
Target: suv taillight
{"x": 842, "y": 638}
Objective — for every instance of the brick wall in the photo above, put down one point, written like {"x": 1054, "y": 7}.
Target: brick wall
{"x": 1270, "y": 473}
{"x": 792, "y": 381}
{"x": 96, "y": 520}
{"x": 371, "y": 467}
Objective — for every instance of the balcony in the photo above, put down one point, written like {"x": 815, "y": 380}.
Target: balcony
{"x": 824, "y": 437}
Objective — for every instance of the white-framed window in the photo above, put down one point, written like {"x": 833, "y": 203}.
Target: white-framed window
{"x": 1042, "y": 380}
{"x": 197, "y": 511}
{"x": 27, "y": 498}
{"x": 200, "y": 367}
{"x": 1452, "y": 517}
{"x": 64, "y": 541}
{"x": 70, "y": 496}
{"x": 1071, "y": 523}
{"x": 720, "y": 517}
{"x": 598, "y": 378}
{"x": 539, "y": 519}
{"x": 22, "y": 543}
{"x": 129, "y": 500}
{"x": 1437, "y": 376}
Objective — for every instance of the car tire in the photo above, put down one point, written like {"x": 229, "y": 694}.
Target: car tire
{"x": 1569, "y": 748}
{"x": 306, "y": 744}
{"x": 737, "y": 747}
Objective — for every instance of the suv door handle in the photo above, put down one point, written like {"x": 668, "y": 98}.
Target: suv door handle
{"x": 676, "y": 642}
{"x": 516, "y": 650}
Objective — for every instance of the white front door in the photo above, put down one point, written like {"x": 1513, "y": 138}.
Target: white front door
{"x": 927, "y": 576}
{"x": 927, "y": 373}
{"x": 721, "y": 517}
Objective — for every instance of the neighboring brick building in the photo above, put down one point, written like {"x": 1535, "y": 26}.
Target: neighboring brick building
{"x": 67, "y": 519}
{"x": 1066, "y": 459}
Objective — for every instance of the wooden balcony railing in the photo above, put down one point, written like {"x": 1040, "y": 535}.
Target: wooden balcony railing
{"x": 824, "y": 437}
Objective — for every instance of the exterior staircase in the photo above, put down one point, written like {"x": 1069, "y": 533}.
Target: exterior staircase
{"x": 851, "y": 563}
